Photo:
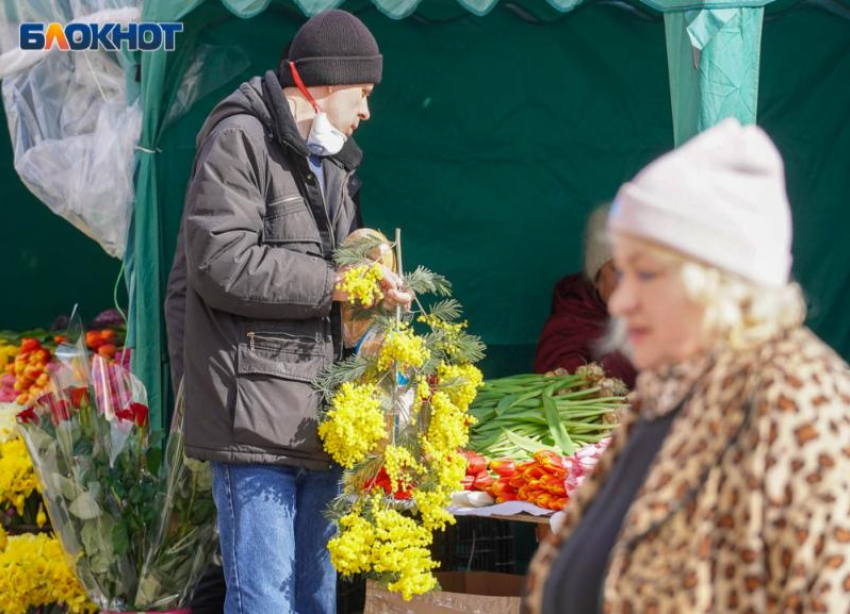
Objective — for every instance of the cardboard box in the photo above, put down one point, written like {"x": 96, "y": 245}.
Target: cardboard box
{"x": 464, "y": 592}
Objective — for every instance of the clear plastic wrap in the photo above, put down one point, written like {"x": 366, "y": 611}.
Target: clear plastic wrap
{"x": 211, "y": 67}
{"x": 73, "y": 129}
{"x": 138, "y": 525}
{"x": 74, "y": 121}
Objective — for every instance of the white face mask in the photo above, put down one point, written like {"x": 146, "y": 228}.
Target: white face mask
{"x": 324, "y": 139}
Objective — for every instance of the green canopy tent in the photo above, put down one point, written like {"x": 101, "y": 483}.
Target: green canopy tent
{"x": 500, "y": 124}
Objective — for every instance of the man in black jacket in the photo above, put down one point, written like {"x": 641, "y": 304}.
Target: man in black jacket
{"x": 268, "y": 202}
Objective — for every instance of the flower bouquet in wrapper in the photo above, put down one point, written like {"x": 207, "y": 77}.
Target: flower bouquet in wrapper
{"x": 397, "y": 415}
{"x": 137, "y": 523}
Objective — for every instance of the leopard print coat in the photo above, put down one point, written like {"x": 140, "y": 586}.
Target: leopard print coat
{"x": 746, "y": 508}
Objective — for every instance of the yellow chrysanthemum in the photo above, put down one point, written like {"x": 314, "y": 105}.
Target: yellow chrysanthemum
{"x": 34, "y": 573}
{"x": 354, "y": 424}
{"x": 17, "y": 477}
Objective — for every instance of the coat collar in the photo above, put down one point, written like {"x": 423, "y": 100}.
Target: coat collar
{"x": 717, "y": 390}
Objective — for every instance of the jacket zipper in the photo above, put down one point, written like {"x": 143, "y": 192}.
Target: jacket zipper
{"x": 288, "y": 199}
{"x": 348, "y": 175}
{"x": 324, "y": 203}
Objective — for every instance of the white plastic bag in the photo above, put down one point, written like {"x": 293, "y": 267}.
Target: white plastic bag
{"x": 72, "y": 128}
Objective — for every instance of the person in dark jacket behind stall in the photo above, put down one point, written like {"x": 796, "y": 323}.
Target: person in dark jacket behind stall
{"x": 267, "y": 204}
{"x": 573, "y": 335}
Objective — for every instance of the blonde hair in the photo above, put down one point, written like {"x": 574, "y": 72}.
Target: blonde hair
{"x": 738, "y": 311}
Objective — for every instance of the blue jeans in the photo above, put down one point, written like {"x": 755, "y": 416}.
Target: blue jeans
{"x": 274, "y": 538}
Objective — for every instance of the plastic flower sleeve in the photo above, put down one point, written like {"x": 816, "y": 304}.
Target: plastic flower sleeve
{"x": 114, "y": 505}
{"x": 122, "y": 399}
{"x": 64, "y": 438}
{"x": 185, "y": 535}
{"x": 58, "y": 430}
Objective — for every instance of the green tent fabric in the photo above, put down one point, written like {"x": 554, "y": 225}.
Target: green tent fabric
{"x": 713, "y": 58}
{"x": 492, "y": 138}
{"x": 162, "y": 72}
{"x": 804, "y": 104}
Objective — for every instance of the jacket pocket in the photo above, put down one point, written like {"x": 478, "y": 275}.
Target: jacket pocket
{"x": 289, "y": 223}
{"x": 276, "y": 406}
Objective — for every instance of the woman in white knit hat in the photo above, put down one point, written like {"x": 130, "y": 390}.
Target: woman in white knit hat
{"x": 727, "y": 489}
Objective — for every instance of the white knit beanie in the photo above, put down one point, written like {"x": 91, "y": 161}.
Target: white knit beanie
{"x": 597, "y": 246}
{"x": 719, "y": 198}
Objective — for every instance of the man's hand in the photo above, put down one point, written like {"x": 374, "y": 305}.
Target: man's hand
{"x": 392, "y": 287}
{"x": 340, "y": 295}
{"x": 395, "y": 293}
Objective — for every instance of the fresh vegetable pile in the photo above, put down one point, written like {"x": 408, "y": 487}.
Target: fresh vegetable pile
{"x": 520, "y": 415}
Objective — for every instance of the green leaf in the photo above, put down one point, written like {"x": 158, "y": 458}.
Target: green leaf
{"x": 148, "y": 589}
{"x": 204, "y": 510}
{"x": 448, "y": 309}
{"x": 556, "y": 428}
{"x": 96, "y": 536}
{"x": 529, "y": 445}
{"x": 66, "y": 486}
{"x": 155, "y": 438}
{"x": 534, "y": 394}
{"x": 154, "y": 460}
{"x": 425, "y": 281}
{"x": 99, "y": 563}
{"x": 120, "y": 538}
{"x": 202, "y": 472}
{"x": 85, "y": 507}
{"x": 357, "y": 252}
{"x": 505, "y": 404}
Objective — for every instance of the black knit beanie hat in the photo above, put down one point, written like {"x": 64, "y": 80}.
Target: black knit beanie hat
{"x": 333, "y": 48}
